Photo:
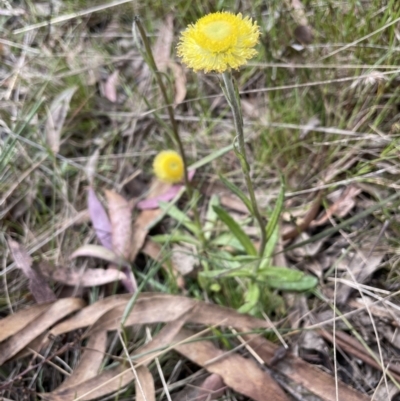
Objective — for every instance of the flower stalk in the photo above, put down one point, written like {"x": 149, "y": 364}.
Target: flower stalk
{"x": 232, "y": 96}
{"x": 153, "y": 67}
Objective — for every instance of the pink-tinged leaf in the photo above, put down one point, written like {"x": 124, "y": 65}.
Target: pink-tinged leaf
{"x": 37, "y": 284}
{"x": 101, "y": 222}
{"x": 110, "y": 90}
{"x": 96, "y": 251}
{"x": 120, "y": 216}
{"x": 129, "y": 282}
{"x": 85, "y": 278}
{"x": 212, "y": 388}
{"x": 152, "y": 203}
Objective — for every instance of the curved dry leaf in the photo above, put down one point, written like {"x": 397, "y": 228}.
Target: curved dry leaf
{"x": 89, "y": 363}
{"x": 84, "y": 278}
{"x": 38, "y": 286}
{"x": 114, "y": 379}
{"x": 241, "y": 374}
{"x": 55, "y": 312}
{"x": 145, "y": 390}
{"x": 120, "y": 213}
{"x": 107, "y": 313}
{"x": 56, "y": 116}
{"x": 89, "y": 315}
{"x": 100, "y": 220}
{"x": 97, "y": 251}
{"x": 12, "y": 324}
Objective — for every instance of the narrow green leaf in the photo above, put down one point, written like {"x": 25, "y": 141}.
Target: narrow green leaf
{"x": 282, "y": 278}
{"x": 274, "y": 218}
{"x": 177, "y": 236}
{"x": 269, "y": 248}
{"x": 209, "y": 158}
{"x": 211, "y": 217}
{"x": 179, "y": 216}
{"x": 237, "y": 231}
{"x": 238, "y": 192}
{"x": 251, "y": 298}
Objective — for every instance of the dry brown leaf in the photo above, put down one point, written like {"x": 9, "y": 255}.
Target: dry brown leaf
{"x": 97, "y": 251}
{"x": 360, "y": 265}
{"x": 154, "y": 308}
{"x": 140, "y": 227}
{"x": 107, "y": 313}
{"x": 304, "y": 374}
{"x": 180, "y": 82}
{"x": 89, "y": 315}
{"x": 56, "y": 116}
{"x": 162, "y": 47}
{"x": 12, "y": 324}
{"x": 78, "y": 277}
{"x": 89, "y": 363}
{"x": 305, "y": 223}
{"x": 211, "y": 388}
{"x": 183, "y": 259}
{"x": 100, "y": 220}
{"x": 120, "y": 214}
{"x": 37, "y": 284}
{"x": 241, "y": 374}
{"x": 57, "y": 311}
{"x": 341, "y": 207}
{"x": 145, "y": 390}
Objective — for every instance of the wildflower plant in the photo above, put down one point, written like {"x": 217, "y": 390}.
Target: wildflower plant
{"x": 221, "y": 42}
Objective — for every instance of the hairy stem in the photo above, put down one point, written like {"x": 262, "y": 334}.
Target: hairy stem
{"x": 234, "y": 102}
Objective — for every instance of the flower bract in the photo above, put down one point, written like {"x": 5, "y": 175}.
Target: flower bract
{"x": 219, "y": 41}
{"x": 168, "y": 166}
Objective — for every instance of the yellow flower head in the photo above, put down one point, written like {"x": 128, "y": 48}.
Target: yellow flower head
{"x": 168, "y": 166}
{"x": 219, "y": 41}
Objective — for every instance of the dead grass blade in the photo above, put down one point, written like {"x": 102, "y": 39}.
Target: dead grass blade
{"x": 310, "y": 377}
{"x": 56, "y": 117}
{"x": 77, "y": 277}
{"x": 55, "y": 312}
{"x": 241, "y": 374}
{"x": 37, "y": 284}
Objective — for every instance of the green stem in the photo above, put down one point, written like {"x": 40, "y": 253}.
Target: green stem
{"x": 234, "y": 102}
{"x": 153, "y": 67}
